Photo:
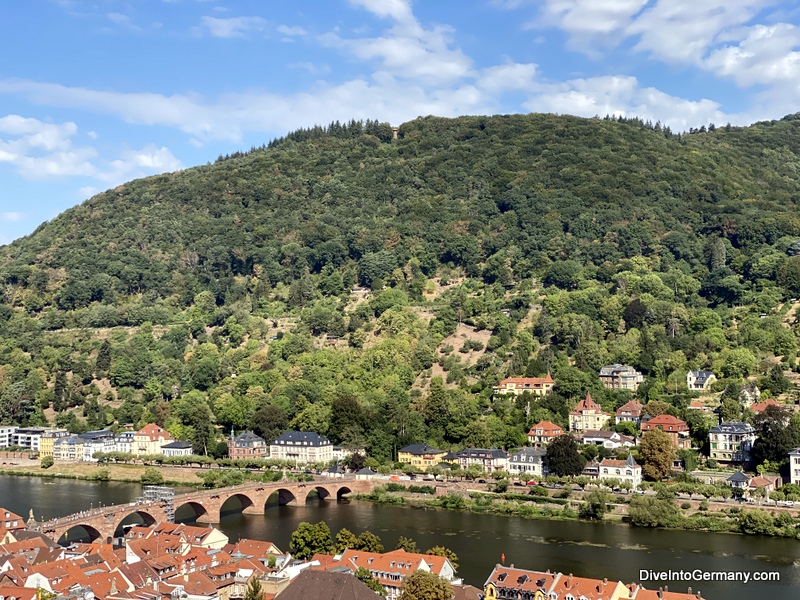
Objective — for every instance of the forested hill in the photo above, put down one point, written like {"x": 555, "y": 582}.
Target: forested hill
{"x": 490, "y": 247}
{"x": 501, "y": 197}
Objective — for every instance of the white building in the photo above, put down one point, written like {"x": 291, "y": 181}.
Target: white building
{"x": 698, "y": 381}
{"x": 529, "y": 461}
{"x": 302, "y": 448}
{"x": 28, "y": 437}
{"x": 794, "y": 466}
{"x": 621, "y": 470}
{"x": 6, "y": 436}
{"x": 179, "y": 448}
{"x": 123, "y": 442}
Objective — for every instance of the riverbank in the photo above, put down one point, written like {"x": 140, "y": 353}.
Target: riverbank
{"x": 648, "y": 513}
{"x": 124, "y": 473}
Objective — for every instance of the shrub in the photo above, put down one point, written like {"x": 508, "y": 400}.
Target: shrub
{"x": 152, "y": 476}
{"x": 686, "y": 506}
{"x": 47, "y": 462}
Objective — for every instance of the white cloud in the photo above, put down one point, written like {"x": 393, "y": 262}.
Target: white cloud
{"x": 232, "y": 27}
{"x": 511, "y": 76}
{"x": 767, "y": 54}
{"x": 291, "y": 31}
{"x": 591, "y": 21}
{"x": 623, "y": 96}
{"x": 11, "y": 217}
{"x": 39, "y": 150}
{"x": 407, "y": 50}
{"x": 399, "y": 10}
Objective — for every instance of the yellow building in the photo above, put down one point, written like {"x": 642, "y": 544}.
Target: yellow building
{"x": 48, "y": 439}
{"x": 588, "y": 414}
{"x": 149, "y": 439}
{"x": 420, "y": 456}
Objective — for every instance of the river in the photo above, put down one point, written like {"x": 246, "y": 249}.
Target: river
{"x": 586, "y": 549}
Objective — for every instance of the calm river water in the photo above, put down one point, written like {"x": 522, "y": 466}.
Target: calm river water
{"x": 587, "y": 549}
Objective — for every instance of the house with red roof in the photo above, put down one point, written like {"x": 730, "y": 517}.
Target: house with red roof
{"x": 543, "y": 433}
{"x": 629, "y": 412}
{"x": 675, "y": 428}
{"x": 588, "y": 414}
{"x": 389, "y": 568}
{"x": 149, "y": 439}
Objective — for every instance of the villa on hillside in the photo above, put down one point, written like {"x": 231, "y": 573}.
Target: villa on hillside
{"x": 247, "y": 445}
{"x": 543, "y": 433}
{"x": 538, "y": 386}
{"x": 699, "y": 381}
{"x": 675, "y": 428}
{"x": 731, "y": 443}
{"x": 528, "y": 461}
{"x": 629, "y": 412}
{"x": 620, "y": 377}
{"x": 588, "y": 414}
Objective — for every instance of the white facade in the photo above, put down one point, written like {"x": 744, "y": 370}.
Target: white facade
{"x": 6, "y": 436}
{"x": 302, "y": 448}
{"x": 794, "y": 466}
{"x": 529, "y": 461}
{"x": 123, "y": 442}
{"x": 28, "y": 438}
{"x": 621, "y": 470}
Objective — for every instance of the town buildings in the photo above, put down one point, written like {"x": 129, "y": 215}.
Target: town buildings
{"x": 389, "y": 568}
{"x": 421, "y": 456}
{"x": 247, "y": 445}
{"x": 508, "y": 583}
{"x": 543, "y": 433}
{"x": 538, "y": 386}
{"x": 620, "y": 377}
{"x": 177, "y": 448}
{"x": 302, "y": 448}
{"x": 675, "y": 428}
{"x": 731, "y": 443}
{"x": 588, "y": 414}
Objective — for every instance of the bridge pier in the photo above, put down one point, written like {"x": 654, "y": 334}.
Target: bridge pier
{"x": 208, "y": 518}
{"x": 253, "y": 510}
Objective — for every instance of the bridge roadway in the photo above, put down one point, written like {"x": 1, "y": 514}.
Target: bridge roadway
{"x": 101, "y": 523}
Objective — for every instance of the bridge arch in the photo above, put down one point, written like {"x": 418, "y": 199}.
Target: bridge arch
{"x": 342, "y": 491}
{"x": 190, "y": 511}
{"x": 282, "y": 497}
{"x": 232, "y": 502}
{"x": 79, "y": 531}
{"x": 136, "y": 517}
{"x": 319, "y": 492}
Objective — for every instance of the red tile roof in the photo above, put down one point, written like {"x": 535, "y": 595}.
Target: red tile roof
{"x": 547, "y": 429}
{"x": 666, "y": 422}
{"x": 586, "y": 405}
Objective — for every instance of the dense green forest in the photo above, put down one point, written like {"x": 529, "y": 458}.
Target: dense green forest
{"x": 319, "y": 282}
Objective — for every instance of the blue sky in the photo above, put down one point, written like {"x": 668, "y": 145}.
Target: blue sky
{"x": 94, "y": 93}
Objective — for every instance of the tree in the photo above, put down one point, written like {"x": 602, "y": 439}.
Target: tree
{"x": 103, "y": 361}
{"x": 596, "y": 505}
{"x": 308, "y": 540}
{"x": 407, "y": 544}
{"x": 562, "y": 457}
{"x": 424, "y": 585}
{"x": 777, "y": 434}
{"x": 369, "y": 542}
{"x": 152, "y": 476}
{"x": 649, "y": 511}
{"x": 346, "y": 539}
{"x": 364, "y": 576}
{"x": 657, "y": 453}
{"x": 269, "y": 422}
{"x": 447, "y": 553}
{"x": 253, "y": 591}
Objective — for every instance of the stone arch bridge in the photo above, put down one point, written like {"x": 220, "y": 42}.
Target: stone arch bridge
{"x": 101, "y": 523}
